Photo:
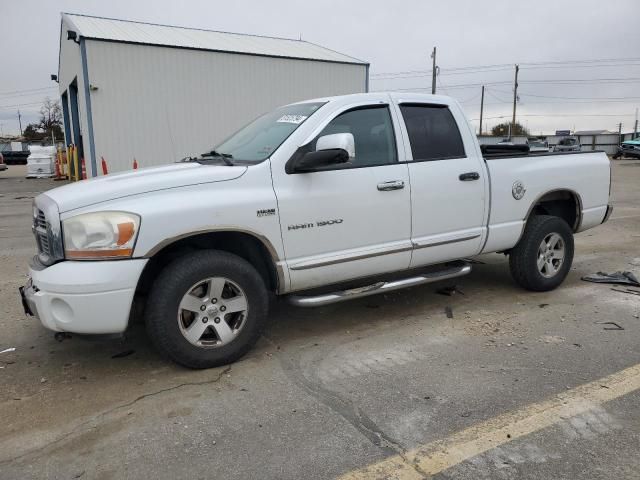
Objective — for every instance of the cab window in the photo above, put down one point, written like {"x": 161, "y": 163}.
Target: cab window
{"x": 373, "y": 135}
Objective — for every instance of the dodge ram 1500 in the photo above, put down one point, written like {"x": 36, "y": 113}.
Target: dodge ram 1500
{"x": 319, "y": 201}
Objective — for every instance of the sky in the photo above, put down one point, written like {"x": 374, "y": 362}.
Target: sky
{"x": 579, "y": 59}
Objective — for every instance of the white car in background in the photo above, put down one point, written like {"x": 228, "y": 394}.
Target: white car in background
{"x": 538, "y": 146}
{"x": 568, "y": 144}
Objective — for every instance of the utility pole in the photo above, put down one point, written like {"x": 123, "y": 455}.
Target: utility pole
{"x": 515, "y": 99}
{"x": 20, "y": 122}
{"x": 481, "y": 108}
{"x": 619, "y": 133}
{"x": 635, "y": 127}
{"x": 433, "y": 72}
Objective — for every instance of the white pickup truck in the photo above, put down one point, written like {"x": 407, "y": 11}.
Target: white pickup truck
{"x": 318, "y": 201}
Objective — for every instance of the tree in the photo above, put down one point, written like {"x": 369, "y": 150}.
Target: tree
{"x": 502, "y": 130}
{"x": 51, "y": 118}
{"x": 31, "y": 133}
{"x": 50, "y": 122}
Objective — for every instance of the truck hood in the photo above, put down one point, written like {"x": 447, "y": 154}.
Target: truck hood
{"x": 111, "y": 187}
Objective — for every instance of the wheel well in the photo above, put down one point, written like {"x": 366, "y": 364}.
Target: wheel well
{"x": 560, "y": 203}
{"x": 242, "y": 244}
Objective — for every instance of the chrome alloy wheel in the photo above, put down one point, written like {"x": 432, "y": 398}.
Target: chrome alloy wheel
{"x": 212, "y": 312}
{"x": 551, "y": 255}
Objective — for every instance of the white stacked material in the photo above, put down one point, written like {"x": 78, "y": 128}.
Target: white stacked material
{"x": 41, "y": 162}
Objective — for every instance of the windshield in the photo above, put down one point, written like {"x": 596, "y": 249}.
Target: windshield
{"x": 567, "y": 141}
{"x": 537, "y": 144}
{"x": 258, "y": 140}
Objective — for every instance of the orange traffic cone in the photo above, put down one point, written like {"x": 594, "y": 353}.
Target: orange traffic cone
{"x": 84, "y": 170}
{"x": 104, "y": 166}
{"x": 135, "y": 163}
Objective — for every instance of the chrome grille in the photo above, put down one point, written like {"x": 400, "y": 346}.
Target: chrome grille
{"x": 47, "y": 230}
{"x": 41, "y": 233}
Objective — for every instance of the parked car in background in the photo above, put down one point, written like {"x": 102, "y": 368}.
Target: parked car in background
{"x": 568, "y": 144}
{"x": 317, "y": 202}
{"x": 538, "y": 146}
{"x": 630, "y": 148}
{"x": 15, "y": 153}
{"x": 3, "y": 166}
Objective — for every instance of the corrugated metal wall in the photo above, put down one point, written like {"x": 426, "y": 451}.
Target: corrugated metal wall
{"x": 160, "y": 104}
{"x": 607, "y": 142}
{"x": 70, "y": 68}
{"x": 494, "y": 140}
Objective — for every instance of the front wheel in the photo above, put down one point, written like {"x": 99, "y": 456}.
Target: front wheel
{"x": 206, "y": 309}
{"x": 542, "y": 258}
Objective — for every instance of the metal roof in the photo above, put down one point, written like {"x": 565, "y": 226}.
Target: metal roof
{"x": 126, "y": 31}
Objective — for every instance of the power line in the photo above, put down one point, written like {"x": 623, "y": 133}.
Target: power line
{"x": 562, "y": 115}
{"x": 19, "y": 92}
{"x": 576, "y": 82}
{"x": 567, "y": 98}
{"x": 602, "y": 62}
{"x": 9, "y": 107}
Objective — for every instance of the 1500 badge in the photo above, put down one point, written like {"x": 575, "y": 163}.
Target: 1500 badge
{"x": 266, "y": 212}
{"x": 320, "y": 223}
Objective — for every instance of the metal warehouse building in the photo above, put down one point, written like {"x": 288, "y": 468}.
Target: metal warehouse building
{"x": 158, "y": 93}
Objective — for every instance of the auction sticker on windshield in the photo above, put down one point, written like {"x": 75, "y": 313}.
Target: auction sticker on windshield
{"x": 292, "y": 119}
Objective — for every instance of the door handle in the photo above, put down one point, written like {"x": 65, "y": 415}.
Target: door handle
{"x": 469, "y": 176}
{"x": 391, "y": 185}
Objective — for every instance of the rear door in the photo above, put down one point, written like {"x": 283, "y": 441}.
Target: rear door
{"x": 449, "y": 186}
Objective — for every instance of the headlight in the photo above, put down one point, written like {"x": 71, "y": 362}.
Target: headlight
{"x": 100, "y": 235}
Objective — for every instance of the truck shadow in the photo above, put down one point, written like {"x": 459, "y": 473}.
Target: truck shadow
{"x": 292, "y": 327}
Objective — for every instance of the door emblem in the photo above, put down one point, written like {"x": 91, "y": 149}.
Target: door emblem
{"x": 518, "y": 190}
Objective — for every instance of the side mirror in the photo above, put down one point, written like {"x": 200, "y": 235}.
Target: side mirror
{"x": 333, "y": 149}
{"x": 312, "y": 161}
{"x": 343, "y": 141}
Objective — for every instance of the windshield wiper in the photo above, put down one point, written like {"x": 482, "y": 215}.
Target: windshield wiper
{"x": 226, "y": 157}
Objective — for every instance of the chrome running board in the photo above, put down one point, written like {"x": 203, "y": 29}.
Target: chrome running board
{"x": 378, "y": 287}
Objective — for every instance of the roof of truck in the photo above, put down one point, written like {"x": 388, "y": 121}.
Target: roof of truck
{"x": 127, "y": 31}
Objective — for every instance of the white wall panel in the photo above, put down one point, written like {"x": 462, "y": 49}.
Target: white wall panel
{"x": 158, "y": 104}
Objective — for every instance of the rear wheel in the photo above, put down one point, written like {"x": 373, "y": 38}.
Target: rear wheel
{"x": 206, "y": 309}
{"x": 542, "y": 258}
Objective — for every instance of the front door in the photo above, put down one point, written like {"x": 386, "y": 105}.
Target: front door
{"x": 352, "y": 220}
{"x": 448, "y": 185}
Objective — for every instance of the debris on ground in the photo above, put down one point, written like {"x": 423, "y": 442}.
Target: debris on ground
{"x": 542, "y": 305}
{"x": 126, "y": 353}
{"x": 448, "y": 311}
{"x": 449, "y": 291}
{"x": 613, "y": 326}
{"x": 622, "y": 278}
{"x": 552, "y": 339}
{"x": 635, "y": 261}
{"x": 628, "y": 290}
{"x": 7, "y": 350}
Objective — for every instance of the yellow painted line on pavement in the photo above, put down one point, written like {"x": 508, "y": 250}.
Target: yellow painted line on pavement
{"x": 440, "y": 455}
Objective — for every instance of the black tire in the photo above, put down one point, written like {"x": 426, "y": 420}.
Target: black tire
{"x": 523, "y": 258}
{"x": 175, "y": 280}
